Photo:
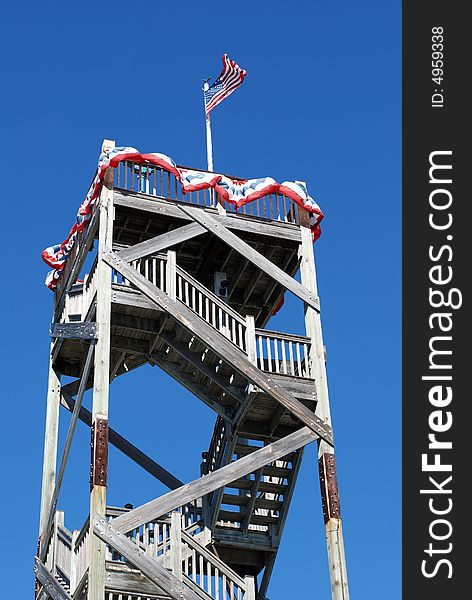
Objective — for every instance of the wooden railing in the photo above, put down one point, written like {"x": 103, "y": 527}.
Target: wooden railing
{"x": 178, "y": 542}
{"x": 274, "y": 352}
{"x": 211, "y": 308}
{"x": 202, "y": 569}
{"x": 80, "y": 558}
{"x": 72, "y": 310}
{"x": 283, "y": 353}
{"x": 172, "y": 542}
{"x": 58, "y": 555}
{"x": 216, "y": 451}
{"x": 90, "y": 289}
{"x": 157, "y": 182}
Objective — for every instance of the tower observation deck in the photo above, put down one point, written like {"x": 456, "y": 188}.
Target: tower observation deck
{"x": 186, "y": 283}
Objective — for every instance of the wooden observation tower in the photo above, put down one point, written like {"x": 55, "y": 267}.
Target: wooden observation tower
{"x": 187, "y": 284}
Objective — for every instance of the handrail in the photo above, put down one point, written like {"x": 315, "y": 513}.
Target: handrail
{"x": 83, "y": 532}
{"x": 281, "y": 335}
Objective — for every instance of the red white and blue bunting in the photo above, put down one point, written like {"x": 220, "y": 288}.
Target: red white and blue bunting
{"x": 236, "y": 192}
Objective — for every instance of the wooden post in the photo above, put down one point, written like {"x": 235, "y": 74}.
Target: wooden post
{"x": 251, "y": 339}
{"x": 58, "y": 520}
{"x": 98, "y": 469}
{"x": 50, "y": 446}
{"x": 326, "y": 458}
{"x": 73, "y": 562}
{"x": 176, "y": 544}
{"x": 250, "y": 588}
{"x": 171, "y": 274}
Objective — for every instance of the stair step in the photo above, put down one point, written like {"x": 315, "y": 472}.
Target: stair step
{"x": 264, "y": 486}
{"x": 242, "y": 500}
{"x": 235, "y": 499}
{"x": 245, "y": 449}
{"x": 238, "y": 517}
{"x": 280, "y": 472}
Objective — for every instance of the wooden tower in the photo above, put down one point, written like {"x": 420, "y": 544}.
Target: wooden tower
{"x": 188, "y": 284}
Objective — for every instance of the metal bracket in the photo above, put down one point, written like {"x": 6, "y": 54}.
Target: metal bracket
{"x": 74, "y": 331}
{"x": 329, "y": 487}
{"x": 99, "y": 452}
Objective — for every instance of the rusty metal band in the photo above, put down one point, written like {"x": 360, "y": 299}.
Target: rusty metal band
{"x": 329, "y": 487}
{"x": 99, "y": 453}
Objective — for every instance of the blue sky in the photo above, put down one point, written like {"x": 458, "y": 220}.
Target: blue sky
{"x": 321, "y": 103}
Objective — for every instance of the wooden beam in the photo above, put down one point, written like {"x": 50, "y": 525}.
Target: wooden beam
{"x": 51, "y": 586}
{"x": 214, "y": 480}
{"x": 66, "y": 451}
{"x": 333, "y": 525}
{"x": 101, "y": 381}
{"x": 50, "y": 446}
{"x": 148, "y": 566}
{"x": 266, "y": 578}
{"x": 127, "y": 448}
{"x": 74, "y": 331}
{"x": 162, "y": 242}
{"x": 221, "y": 346}
{"x": 218, "y": 229}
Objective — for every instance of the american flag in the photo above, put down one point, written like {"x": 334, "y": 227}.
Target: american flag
{"x": 230, "y": 78}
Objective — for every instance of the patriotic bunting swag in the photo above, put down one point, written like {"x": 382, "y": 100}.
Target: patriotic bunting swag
{"x": 235, "y": 192}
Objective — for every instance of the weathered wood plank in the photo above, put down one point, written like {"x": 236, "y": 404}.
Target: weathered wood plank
{"x": 334, "y": 534}
{"x": 67, "y": 447}
{"x": 218, "y": 229}
{"x": 74, "y": 331}
{"x": 149, "y": 567}
{"x": 221, "y": 346}
{"x": 131, "y": 582}
{"x": 50, "y": 446}
{"x": 162, "y": 242}
{"x": 101, "y": 375}
{"x": 51, "y": 586}
{"x": 214, "y": 480}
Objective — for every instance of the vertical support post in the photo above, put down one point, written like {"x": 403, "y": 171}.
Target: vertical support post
{"x": 326, "y": 458}
{"x": 58, "y": 520}
{"x": 176, "y": 544}
{"x": 250, "y": 586}
{"x": 98, "y": 483}
{"x": 171, "y": 274}
{"x": 73, "y": 562}
{"x": 251, "y": 339}
{"x": 50, "y": 447}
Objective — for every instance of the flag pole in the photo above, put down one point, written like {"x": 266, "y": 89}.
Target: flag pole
{"x": 206, "y": 86}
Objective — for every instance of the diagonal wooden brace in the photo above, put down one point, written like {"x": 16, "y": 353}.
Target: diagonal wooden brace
{"x": 148, "y": 566}
{"x": 216, "y": 479}
{"x": 50, "y": 584}
{"x": 221, "y": 346}
{"x": 248, "y": 252}
{"x": 162, "y": 242}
